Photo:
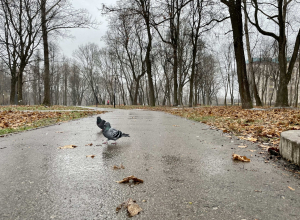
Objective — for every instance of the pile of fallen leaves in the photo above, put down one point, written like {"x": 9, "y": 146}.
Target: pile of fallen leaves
{"x": 11, "y": 121}
{"x": 254, "y": 125}
{"x": 39, "y": 107}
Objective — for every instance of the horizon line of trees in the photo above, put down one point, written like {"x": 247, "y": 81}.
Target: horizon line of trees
{"x": 156, "y": 53}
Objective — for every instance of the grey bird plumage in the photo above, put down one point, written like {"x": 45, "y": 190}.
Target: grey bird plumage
{"x": 100, "y": 123}
{"x": 111, "y": 133}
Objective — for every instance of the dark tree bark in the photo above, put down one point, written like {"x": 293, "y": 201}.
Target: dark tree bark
{"x": 47, "y": 95}
{"x": 145, "y": 6}
{"x": 235, "y": 11}
{"x": 20, "y": 39}
{"x": 251, "y": 72}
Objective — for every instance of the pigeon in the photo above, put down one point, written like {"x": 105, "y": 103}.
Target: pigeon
{"x": 111, "y": 133}
{"x": 100, "y": 123}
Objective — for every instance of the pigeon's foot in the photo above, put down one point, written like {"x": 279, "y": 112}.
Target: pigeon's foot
{"x": 114, "y": 143}
{"x": 106, "y": 142}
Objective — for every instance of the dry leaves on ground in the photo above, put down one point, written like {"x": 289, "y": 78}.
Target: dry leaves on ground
{"x": 68, "y": 147}
{"x": 242, "y": 146}
{"x": 263, "y": 126}
{"x": 118, "y": 167}
{"x": 91, "y": 156}
{"x": 240, "y": 158}
{"x": 132, "y": 207}
{"x": 133, "y": 178}
{"x": 16, "y": 119}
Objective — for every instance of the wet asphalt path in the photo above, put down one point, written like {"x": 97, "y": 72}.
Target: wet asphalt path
{"x": 187, "y": 170}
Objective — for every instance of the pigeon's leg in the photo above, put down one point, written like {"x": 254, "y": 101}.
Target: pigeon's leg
{"x": 106, "y": 142}
{"x": 114, "y": 143}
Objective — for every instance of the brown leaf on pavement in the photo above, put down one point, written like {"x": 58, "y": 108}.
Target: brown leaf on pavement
{"x": 291, "y": 188}
{"x": 127, "y": 179}
{"x": 68, "y": 147}
{"x": 132, "y": 207}
{"x": 118, "y": 167}
{"x": 92, "y": 156}
{"x": 91, "y": 144}
{"x": 242, "y": 146}
{"x": 241, "y": 158}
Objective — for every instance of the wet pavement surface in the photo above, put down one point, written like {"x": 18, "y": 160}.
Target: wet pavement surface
{"x": 186, "y": 166}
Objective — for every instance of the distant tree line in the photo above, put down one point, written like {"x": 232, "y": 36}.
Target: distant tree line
{"x": 170, "y": 52}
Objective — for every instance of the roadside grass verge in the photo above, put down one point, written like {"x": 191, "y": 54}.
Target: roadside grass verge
{"x": 16, "y": 121}
{"x": 38, "y": 107}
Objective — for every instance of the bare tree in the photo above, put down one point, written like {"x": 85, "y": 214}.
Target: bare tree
{"x": 88, "y": 58}
{"x": 251, "y": 72}
{"x": 172, "y": 14}
{"x": 21, "y": 28}
{"x": 57, "y": 15}
{"x": 280, "y": 20}
{"x": 235, "y": 12}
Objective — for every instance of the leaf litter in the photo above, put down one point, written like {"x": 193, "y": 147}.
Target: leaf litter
{"x": 132, "y": 207}
{"x": 264, "y": 126}
{"x": 68, "y": 147}
{"x": 118, "y": 167}
{"x": 131, "y": 178}
{"x": 240, "y": 158}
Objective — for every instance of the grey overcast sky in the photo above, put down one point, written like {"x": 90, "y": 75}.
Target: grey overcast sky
{"x": 83, "y": 36}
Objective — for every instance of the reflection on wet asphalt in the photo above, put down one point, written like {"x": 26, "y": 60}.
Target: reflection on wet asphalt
{"x": 187, "y": 170}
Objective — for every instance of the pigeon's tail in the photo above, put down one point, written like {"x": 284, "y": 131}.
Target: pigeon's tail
{"x": 125, "y": 135}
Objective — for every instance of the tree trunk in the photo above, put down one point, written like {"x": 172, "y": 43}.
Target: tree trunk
{"x": 13, "y": 83}
{"x": 282, "y": 93}
{"x": 47, "y": 100}
{"x": 251, "y": 72}
{"x": 235, "y": 11}
{"x": 175, "y": 76}
{"x": 192, "y": 76}
{"x": 135, "y": 99}
{"x": 20, "y": 83}
{"x": 148, "y": 65}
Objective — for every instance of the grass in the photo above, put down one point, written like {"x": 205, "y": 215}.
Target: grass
{"x": 17, "y": 121}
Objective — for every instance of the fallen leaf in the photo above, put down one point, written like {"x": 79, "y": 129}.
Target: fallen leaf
{"x": 252, "y": 150}
{"x": 241, "y": 158}
{"x": 68, "y": 147}
{"x": 251, "y": 139}
{"x": 127, "y": 179}
{"x": 132, "y": 207}
{"x": 92, "y": 156}
{"x": 118, "y": 167}
{"x": 89, "y": 144}
{"x": 242, "y": 146}
{"x": 59, "y": 132}
{"x": 291, "y": 188}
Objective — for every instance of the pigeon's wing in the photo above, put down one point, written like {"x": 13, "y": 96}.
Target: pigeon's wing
{"x": 113, "y": 134}
{"x": 101, "y": 124}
